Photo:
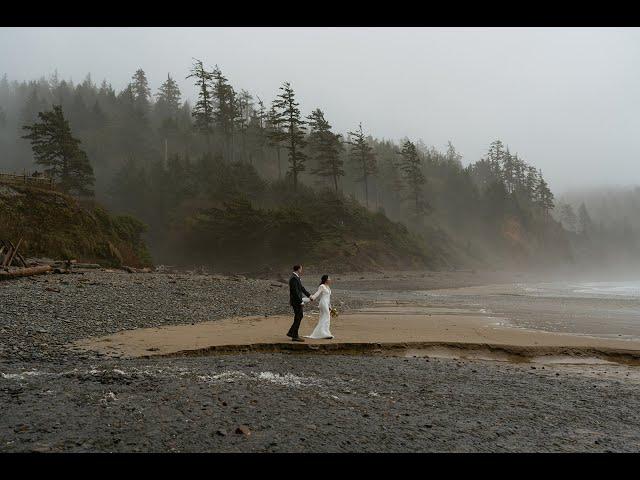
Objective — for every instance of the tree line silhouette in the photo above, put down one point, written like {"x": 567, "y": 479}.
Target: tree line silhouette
{"x": 156, "y": 156}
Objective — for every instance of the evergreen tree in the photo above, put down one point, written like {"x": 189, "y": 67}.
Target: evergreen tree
{"x": 544, "y": 195}
{"x": 167, "y": 107}
{"x": 288, "y": 116}
{"x": 244, "y": 112}
{"x": 568, "y": 217}
{"x": 106, "y": 91}
{"x": 410, "y": 166}
{"x": 203, "y": 109}
{"x": 391, "y": 182}
{"x": 257, "y": 131}
{"x": 483, "y": 174}
{"x": 361, "y": 155}
{"x": 141, "y": 91}
{"x": 226, "y": 111}
{"x": 495, "y": 156}
{"x": 519, "y": 174}
{"x": 5, "y": 90}
{"x": 275, "y": 133}
{"x": 531, "y": 182}
{"x": 507, "y": 168}
{"x": 326, "y": 148}
{"x": 452, "y": 155}
{"x": 168, "y": 98}
{"x": 55, "y": 148}
{"x": 585, "y": 224}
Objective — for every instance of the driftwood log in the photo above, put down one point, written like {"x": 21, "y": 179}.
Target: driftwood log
{"x": 9, "y": 252}
{"x": 13, "y": 253}
{"x": 18, "y": 254}
{"x": 24, "y": 272}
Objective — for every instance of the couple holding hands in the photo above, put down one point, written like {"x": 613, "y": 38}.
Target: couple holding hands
{"x": 298, "y": 296}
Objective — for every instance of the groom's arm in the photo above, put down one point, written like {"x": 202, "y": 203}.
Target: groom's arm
{"x": 304, "y": 290}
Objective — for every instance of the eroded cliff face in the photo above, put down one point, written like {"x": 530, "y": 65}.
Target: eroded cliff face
{"x": 57, "y": 226}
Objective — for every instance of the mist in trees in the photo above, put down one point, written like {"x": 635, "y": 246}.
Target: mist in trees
{"x": 603, "y": 224}
{"x": 176, "y": 165}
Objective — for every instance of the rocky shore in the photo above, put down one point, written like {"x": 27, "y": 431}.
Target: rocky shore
{"x": 315, "y": 403}
{"x": 57, "y": 401}
{"x": 41, "y": 314}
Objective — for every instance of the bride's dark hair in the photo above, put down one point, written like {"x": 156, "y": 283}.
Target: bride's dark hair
{"x": 324, "y": 279}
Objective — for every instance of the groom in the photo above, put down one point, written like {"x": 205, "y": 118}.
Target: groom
{"x": 295, "y": 299}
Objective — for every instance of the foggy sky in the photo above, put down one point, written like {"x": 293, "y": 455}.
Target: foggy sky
{"x": 566, "y": 100}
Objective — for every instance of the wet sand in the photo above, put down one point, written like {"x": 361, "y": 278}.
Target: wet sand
{"x": 384, "y": 326}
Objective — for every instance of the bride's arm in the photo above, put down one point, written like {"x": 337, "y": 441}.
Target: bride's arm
{"x": 317, "y": 294}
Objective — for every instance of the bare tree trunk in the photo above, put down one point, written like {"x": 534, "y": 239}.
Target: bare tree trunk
{"x": 366, "y": 191}
{"x": 244, "y": 148}
{"x": 279, "y": 165}
{"x": 166, "y": 151}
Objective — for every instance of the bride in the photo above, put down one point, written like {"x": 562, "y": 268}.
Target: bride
{"x": 324, "y": 294}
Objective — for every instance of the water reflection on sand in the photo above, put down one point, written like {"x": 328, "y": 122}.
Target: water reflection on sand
{"x": 603, "y": 309}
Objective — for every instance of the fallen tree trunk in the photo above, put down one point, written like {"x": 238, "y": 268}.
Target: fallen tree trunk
{"x": 24, "y": 272}
{"x": 87, "y": 265}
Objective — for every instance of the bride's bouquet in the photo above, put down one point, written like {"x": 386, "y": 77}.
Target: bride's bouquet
{"x": 333, "y": 312}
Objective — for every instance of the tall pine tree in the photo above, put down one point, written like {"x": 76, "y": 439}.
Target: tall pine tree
{"x": 411, "y": 168}
{"x": 275, "y": 133}
{"x": 226, "y": 109}
{"x": 141, "y": 91}
{"x": 203, "y": 109}
{"x": 544, "y": 195}
{"x": 168, "y": 98}
{"x": 362, "y": 156}
{"x": 288, "y": 117}
{"x": 55, "y": 148}
{"x": 326, "y": 147}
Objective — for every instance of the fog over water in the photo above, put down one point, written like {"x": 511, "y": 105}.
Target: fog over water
{"x": 564, "y": 99}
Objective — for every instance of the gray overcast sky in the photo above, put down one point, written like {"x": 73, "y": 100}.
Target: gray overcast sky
{"x": 566, "y": 99}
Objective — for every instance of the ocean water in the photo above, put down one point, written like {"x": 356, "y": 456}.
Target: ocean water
{"x": 599, "y": 290}
{"x": 605, "y": 309}
{"x": 609, "y": 309}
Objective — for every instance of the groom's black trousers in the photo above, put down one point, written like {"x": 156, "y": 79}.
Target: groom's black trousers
{"x": 297, "y": 318}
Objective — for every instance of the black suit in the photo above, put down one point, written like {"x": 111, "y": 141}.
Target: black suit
{"x": 295, "y": 300}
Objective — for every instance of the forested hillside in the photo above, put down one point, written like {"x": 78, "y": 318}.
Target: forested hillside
{"x": 230, "y": 179}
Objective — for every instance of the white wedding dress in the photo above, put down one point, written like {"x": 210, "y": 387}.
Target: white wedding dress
{"x": 324, "y": 304}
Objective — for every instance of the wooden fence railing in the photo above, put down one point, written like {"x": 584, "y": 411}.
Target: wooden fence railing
{"x": 40, "y": 181}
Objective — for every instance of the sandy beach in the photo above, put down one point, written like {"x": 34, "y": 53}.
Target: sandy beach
{"x": 385, "y": 326}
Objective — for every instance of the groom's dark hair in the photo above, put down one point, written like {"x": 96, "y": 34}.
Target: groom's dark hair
{"x": 296, "y": 268}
